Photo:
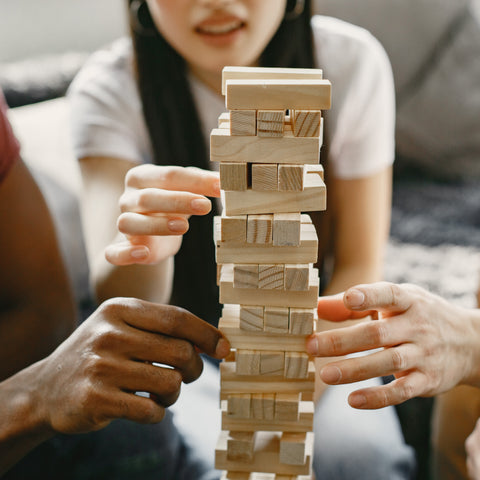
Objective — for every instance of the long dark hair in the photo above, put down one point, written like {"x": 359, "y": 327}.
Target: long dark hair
{"x": 176, "y": 136}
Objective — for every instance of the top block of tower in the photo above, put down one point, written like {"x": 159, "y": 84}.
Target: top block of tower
{"x": 261, "y": 73}
{"x": 278, "y": 94}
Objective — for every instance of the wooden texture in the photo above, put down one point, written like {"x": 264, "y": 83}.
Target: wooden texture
{"x": 243, "y": 122}
{"x": 264, "y": 177}
{"x": 297, "y": 277}
{"x": 251, "y": 317}
{"x": 242, "y": 149}
{"x": 259, "y": 229}
{"x": 239, "y": 406}
{"x": 232, "y": 228}
{"x": 296, "y": 365}
{"x": 244, "y": 277}
{"x": 276, "y": 319}
{"x": 263, "y": 407}
{"x": 302, "y": 321}
{"x": 272, "y": 362}
{"x": 312, "y": 198}
{"x": 270, "y": 123}
{"x": 271, "y": 277}
{"x": 306, "y": 123}
{"x": 293, "y": 448}
{"x": 287, "y": 406}
{"x": 286, "y": 229}
{"x": 290, "y": 178}
{"x": 240, "y": 446}
{"x": 233, "y": 176}
{"x": 248, "y": 362}
{"x": 262, "y": 73}
{"x": 278, "y": 94}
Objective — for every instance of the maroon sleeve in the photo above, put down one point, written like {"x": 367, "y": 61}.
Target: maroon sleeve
{"x": 9, "y": 146}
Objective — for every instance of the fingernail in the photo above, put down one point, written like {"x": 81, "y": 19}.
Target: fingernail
{"x": 330, "y": 374}
{"x": 223, "y": 348}
{"x": 355, "y": 298}
{"x": 200, "y": 205}
{"x": 357, "y": 400}
{"x": 312, "y": 346}
{"x": 139, "y": 253}
{"x": 177, "y": 226}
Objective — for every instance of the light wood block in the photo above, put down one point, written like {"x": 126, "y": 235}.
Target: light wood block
{"x": 272, "y": 363}
{"x": 246, "y": 294}
{"x": 278, "y": 94}
{"x": 276, "y": 319}
{"x": 302, "y": 423}
{"x": 270, "y": 123}
{"x": 263, "y": 407}
{"x": 244, "y": 277}
{"x": 239, "y": 406}
{"x": 271, "y": 277}
{"x": 297, "y": 277}
{"x": 287, "y": 406}
{"x": 296, "y": 365}
{"x": 243, "y": 122}
{"x": 302, "y": 321}
{"x": 262, "y": 73}
{"x": 306, "y": 123}
{"x": 233, "y": 176}
{"x": 248, "y": 362}
{"x": 262, "y": 476}
{"x": 232, "y": 384}
{"x": 232, "y": 229}
{"x": 244, "y": 149}
{"x": 264, "y": 177}
{"x": 240, "y": 446}
{"x": 251, "y": 318}
{"x": 265, "y": 458}
{"x": 293, "y": 448}
{"x": 224, "y": 120}
{"x": 312, "y": 198}
{"x": 259, "y": 229}
{"x": 291, "y": 178}
{"x": 286, "y": 229}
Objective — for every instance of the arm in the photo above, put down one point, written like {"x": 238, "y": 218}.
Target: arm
{"x": 150, "y": 205}
{"x": 427, "y": 343}
{"x": 92, "y": 377}
{"x": 472, "y": 447}
{"x": 36, "y": 306}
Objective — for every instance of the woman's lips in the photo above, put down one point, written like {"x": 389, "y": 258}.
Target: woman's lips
{"x": 220, "y": 32}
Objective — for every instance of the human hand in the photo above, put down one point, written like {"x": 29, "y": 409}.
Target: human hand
{"x": 156, "y": 205}
{"x": 92, "y": 377}
{"x": 427, "y": 343}
{"x": 472, "y": 447}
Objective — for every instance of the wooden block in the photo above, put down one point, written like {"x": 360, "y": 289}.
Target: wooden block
{"x": 287, "y": 406}
{"x": 259, "y": 229}
{"x": 286, "y": 229}
{"x": 312, "y": 198}
{"x": 296, "y": 365}
{"x": 262, "y": 476}
{"x": 263, "y": 407}
{"x": 239, "y": 406}
{"x": 243, "y": 122}
{"x": 239, "y": 338}
{"x": 301, "y": 321}
{"x": 233, "y": 176}
{"x": 242, "y": 252}
{"x": 293, "y": 448}
{"x": 246, "y": 294}
{"x": 244, "y": 276}
{"x": 251, "y": 318}
{"x": 265, "y": 457}
{"x": 232, "y": 384}
{"x": 291, "y": 178}
{"x": 243, "y": 149}
{"x": 272, "y": 363}
{"x": 270, "y": 123}
{"x": 276, "y": 319}
{"x": 240, "y": 446}
{"x": 224, "y": 120}
{"x": 297, "y": 277}
{"x": 233, "y": 228}
{"x": 304, "y": 422}
{"x": 306, "y": 123}
{"x": 278, "y": 94}
{"x": 248, "y": 362}
{"x": 264, "y": 177}
{"x": 264, "y": 73}
{"x": 271, "y": 277}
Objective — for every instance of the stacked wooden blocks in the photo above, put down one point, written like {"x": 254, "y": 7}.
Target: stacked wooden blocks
{"x": 268, "y": 145}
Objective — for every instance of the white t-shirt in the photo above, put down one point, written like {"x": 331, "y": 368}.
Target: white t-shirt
{"x": 107, "y": 118}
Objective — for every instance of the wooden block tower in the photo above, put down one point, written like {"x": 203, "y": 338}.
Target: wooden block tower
{"x": 268, "y": 145}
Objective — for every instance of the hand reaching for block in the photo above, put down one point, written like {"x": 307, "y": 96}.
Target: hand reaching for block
{"x": 156, "y": 205}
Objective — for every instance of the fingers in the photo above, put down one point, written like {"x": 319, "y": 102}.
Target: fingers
{"x": 126, "y": 254}
{"x": 333, "y": 308}
{"x": 394, "y": 393}
{"x": 136, "y": 224}
{"x": 190, "y": 179}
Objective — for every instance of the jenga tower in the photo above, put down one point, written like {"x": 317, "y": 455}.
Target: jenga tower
{"x": 268, "y": 146}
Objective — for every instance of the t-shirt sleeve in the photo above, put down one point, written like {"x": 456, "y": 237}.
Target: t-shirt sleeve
{"x": 361, "y": 122}
{"x": 106, "y": 115}
{"x": 9, "y": 146}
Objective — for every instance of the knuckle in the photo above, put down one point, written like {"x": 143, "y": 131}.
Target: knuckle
{"x": 144, "y": 199}
{"x": 406, "y": 391}
{"x": 184, "y": 353}
{"x": 399, "y": 361}
{"x": 334, "y": 343}
{"x": 377, "y": 332}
